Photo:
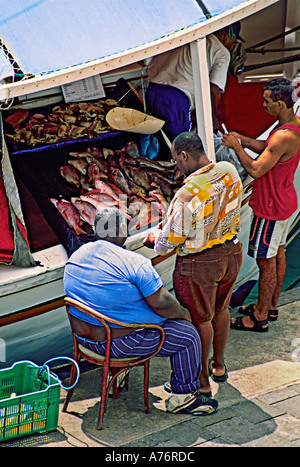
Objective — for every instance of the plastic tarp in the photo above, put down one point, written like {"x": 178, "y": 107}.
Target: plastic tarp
{"x": 50, "y": 35}
{"x": 216, "y": 7}
{"x": 14, "y": 248}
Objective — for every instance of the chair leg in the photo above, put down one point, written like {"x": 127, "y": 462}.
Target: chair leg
{"x": 73, "y": 376}
{"x": 115, "y": 384}
{"x": 146, "y": 386}
{"x": 104, "y": 396}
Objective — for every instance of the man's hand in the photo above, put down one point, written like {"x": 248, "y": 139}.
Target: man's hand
{"x": 254, "y": 145}
{"x": 149, "y": 240}
{"x": 231, "y": 141}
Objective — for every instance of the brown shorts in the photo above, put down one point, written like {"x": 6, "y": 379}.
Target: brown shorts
{"x": 204, "y": 282}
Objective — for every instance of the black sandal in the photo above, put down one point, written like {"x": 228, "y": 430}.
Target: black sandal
{"x": 272, "y": 315}
{"x": 217, "y": 378}
{"x": 247, "y": 310}
{"x": 259, "y": 326}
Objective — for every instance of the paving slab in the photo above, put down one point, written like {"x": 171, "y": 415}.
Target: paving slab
{"x": 258, "y": 405}
{"x": 260, "y": 379}
{"x": 245, "y": 415}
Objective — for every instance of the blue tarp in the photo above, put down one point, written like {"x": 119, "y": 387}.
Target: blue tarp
{"x": 49, "y": 35}
{"x": 217, "y": 7}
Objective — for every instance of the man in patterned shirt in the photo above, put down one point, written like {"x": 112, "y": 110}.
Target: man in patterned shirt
{"x": 201, "y": 225}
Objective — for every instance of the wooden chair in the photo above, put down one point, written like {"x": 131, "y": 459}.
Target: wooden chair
{"x": 117, "y": 366}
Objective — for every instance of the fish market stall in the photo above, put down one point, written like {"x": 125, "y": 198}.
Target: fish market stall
{"x": 63, "y": 157}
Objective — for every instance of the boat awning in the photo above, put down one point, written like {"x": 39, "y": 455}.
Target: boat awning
{"x": 42, "y": 37}
{"x": 49, "y": 35}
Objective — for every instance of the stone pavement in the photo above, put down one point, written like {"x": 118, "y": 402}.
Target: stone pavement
{"x": 259, "y": 405}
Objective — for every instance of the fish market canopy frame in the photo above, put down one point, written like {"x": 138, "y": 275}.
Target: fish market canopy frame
{"x": 55, "y": 42}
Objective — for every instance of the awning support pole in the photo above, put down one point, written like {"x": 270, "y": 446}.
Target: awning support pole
{"x": 202, "y": 96}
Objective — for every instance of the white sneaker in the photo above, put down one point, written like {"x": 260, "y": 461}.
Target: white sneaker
{"x": 122, "y": 381}
{"x": 192, "y": 403}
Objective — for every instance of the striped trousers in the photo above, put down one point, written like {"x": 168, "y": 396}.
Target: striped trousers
{"x": 182, "y": 344}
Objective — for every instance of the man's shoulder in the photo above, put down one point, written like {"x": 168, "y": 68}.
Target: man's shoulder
{"x": 284, "y": 136}
{"x": 291, "y": 130}
{"x": 286, "y": 126}
{"x": 214, "y": 45}
{"x": 135, "y": 259}
{"x": 82, "y": 251}
{"x": 227, "y": 167}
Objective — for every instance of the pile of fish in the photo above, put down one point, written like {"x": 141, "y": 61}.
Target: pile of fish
{"x": 141, "y": 188}
{"x": 62, "y": 123}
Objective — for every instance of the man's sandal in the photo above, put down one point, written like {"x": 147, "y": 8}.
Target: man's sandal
{"x": 272, "y": 315}
{"x": 247, "y": 310}
{"x": 259, "y": 326}
{"x": 217, "y": 378}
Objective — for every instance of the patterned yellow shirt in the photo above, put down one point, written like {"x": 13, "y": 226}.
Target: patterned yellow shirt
{"x": 204, "y": 212}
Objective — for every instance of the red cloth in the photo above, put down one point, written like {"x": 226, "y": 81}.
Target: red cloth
{"x": 7, "y": 244}
{"x": 6, "y": 231}
{"x": 242, "y": 109}
{"x": 273, "y": 195}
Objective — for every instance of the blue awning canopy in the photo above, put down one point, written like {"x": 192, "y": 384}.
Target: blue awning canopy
{"x": 216, "y": 7}
{"x": 49, "y": 35}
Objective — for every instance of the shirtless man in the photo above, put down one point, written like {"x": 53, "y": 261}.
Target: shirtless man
{"x": 273, "y": 200}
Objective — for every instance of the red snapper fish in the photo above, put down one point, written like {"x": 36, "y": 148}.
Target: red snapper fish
{"x": 81, "y": 154}
{"x": 116, "y": 177}
{"x": 80, "y": 164}
{"x": 84, "y": 183}
{"x": 158, "y": 196}
{"x": 93, "y": 173}
{"x": 69, "y": 213}
{"x": 102, "y": 165}
{"x": 134, "y": 205}
{"x": 144, "y": 218}
{"x": 86, "y": 210}
{"x": 105, "y": 188}
{"x": 139, "y": 177}
{"x": 98, "y": 203}
{"x": 70, "y": 174}
{"x": 96, "y": 153}
{"x": 122, "y": 196}
{"x": 99, "y": 196}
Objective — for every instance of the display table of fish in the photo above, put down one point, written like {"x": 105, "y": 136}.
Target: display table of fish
{"x": 141, "y": 188}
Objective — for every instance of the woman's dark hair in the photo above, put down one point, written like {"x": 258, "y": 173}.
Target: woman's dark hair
{"x": 281, "y": 90}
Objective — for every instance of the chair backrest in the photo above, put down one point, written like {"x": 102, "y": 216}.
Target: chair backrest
{"x": 106, "y": 322}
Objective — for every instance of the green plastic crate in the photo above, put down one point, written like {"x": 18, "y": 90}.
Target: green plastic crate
{"x": 29, "y": 400}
